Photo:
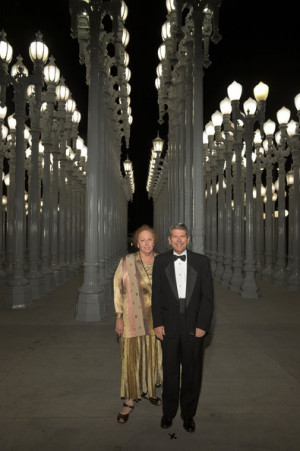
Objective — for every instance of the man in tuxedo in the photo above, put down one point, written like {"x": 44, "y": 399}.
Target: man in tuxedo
{"x": 182, "y": 308}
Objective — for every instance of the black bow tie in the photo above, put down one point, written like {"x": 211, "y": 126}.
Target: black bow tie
{"x": 182, "y": 257}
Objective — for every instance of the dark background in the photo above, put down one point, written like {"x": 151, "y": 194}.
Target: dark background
{"x": 260, "y": 42}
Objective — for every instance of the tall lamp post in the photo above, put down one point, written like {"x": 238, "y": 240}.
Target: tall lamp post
{"x": 52, "y": 76}
{"x": 205, "y": 29}
{"x": 9, "y": 181}
{"x": 225, "y": 107}
{"x": 282, "y": 152}
{"x": 89, "y": 28}
{"x": 62, "y": 96}
{"x": 254, "y": 111}
{"x": 268, "y": 160}
{"x": 3, "y": 135}
{"x": 293, "y": 131}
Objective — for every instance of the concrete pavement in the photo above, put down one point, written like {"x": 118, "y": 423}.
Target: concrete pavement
{"x": 59, "y": 379}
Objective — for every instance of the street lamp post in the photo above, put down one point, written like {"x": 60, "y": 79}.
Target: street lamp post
{"x": 294, "y": 144}
{"x": 282, "y": 152}
{"x": 88, "y": 26}
{"x": 89, "y": 306}
{"x": 237, "y": 263}
{"x": 9, "y": 181}
{"x": 62, "y": 96}
{"x": 217, "y": 120}
{"x": 253, "y": 112}
{"x": 268, "y": 160}
{"x": 34, "y": 189}
{"x": 3, "y": 135}
{"x": 77, "y": 141}
{"x": 54, "y": 206}
{"x": 52, "y": 76}
{"x": 213, "y": 165}
{"x": 226, "y": 109}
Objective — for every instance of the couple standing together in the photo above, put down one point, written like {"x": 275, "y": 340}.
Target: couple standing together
{"x": 163, "y": 309}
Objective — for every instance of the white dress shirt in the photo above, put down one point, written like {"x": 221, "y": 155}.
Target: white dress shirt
{"x": 180, "y": 274}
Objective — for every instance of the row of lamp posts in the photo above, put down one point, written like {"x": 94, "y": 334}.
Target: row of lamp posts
{"x": 242, "y": 182}
{"x": 70, "y": 191}
{"x": 252, "y": 193}
{"x": 176, "y": 178}
{"x": 44, "y": 161}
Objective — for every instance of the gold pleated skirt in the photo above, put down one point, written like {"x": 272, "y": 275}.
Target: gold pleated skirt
{"x": 141, "y": 366}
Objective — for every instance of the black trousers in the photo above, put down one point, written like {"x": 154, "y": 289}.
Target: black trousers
{"x": 185, "y": 352}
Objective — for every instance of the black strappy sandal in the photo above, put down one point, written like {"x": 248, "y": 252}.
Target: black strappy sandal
{"x": 123, "y": 417}
{"x": 156, "y": 401}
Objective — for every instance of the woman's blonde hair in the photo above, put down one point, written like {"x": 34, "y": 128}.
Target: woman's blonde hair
{"x": 144, "y": 227}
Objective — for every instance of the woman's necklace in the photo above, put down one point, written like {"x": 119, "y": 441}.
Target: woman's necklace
{"x": 144, "y": 267}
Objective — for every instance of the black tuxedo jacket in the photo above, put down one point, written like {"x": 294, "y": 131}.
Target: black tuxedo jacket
{"x": 199, "y": 294}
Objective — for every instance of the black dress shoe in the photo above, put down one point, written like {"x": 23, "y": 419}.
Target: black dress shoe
{"x": 165, "y": 422}
{"x": 189, "y": 425}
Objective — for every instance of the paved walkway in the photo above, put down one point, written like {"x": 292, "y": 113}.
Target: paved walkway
{"x": 59, "y": 379}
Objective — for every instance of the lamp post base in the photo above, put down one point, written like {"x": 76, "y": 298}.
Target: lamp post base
{"x": 37, "y": 286}
{"x": 2, "y": 277}
{"x": 18, "y": 296}
{"x": 268, "y": 273}
{"x": 293, "y": 282}
{"x": 249, "y": 288}
{"x": 279, "y": 277}
{"x": 90, "y": 307}
{"x": 237, "y": 277}
{"x": 219, "y": 272}
{"x": 48, "y": 281}
{"x": 227, "y": 276}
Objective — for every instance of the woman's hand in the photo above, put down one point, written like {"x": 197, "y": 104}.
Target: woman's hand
{"x": 119, "y": 327}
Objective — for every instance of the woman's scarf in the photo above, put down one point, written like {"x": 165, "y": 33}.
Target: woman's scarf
{"x": 136, "y": 311}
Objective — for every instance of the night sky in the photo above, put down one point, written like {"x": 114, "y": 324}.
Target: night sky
{"x": 260, "y": 42}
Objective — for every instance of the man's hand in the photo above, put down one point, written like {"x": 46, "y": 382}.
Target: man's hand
{"x": 200, "y": 333}
{"x": 119, "y": 326}
{"x": 159, "y": 332}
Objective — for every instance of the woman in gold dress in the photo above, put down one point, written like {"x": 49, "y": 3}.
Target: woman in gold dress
{"x": 141, "y": 358}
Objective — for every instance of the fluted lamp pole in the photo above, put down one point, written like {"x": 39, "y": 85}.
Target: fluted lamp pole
{"x": 52, "y": 76}
{"x": 217, "y": 120}
{"x": 294, "y": 143}
{"x": 283, "y": 117}
{"x": 39, "y": 55}
{"x": 3, "y": 135}
{"x": 226, "y": 109}
{"x": 9, "y": 181}
{"x": 253, "y": 112}
{"x": 269, "y": 129}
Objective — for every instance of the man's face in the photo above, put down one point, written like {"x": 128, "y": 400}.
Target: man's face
{"x": 179, "y": 240}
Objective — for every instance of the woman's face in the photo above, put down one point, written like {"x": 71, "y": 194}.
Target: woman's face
{"x": 145, "y": 242}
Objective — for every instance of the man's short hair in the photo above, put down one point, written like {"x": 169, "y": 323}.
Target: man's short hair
{"x": 179, "y": 226}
